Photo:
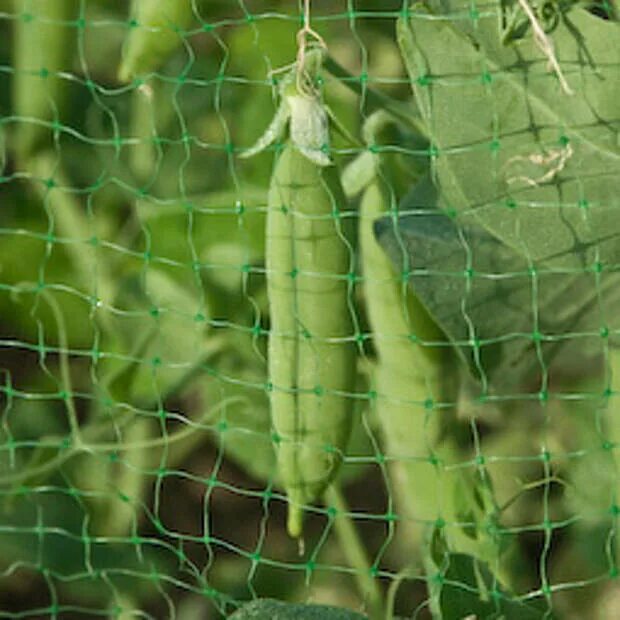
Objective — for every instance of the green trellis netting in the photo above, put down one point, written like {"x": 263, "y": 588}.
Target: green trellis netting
{"x": 229, "y": 385}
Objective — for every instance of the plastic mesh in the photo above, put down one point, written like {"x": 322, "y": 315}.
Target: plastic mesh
{"x": 137, "y": 464}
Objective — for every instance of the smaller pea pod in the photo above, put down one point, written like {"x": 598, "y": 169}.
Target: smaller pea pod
{"x": 155, "y": 33}
{"x": 407, "y": 374}
{"x": 416, "y": 370}
{"x": 311, "y": 349}
{"x": 44, "y": 41}
{"x": 409, "y": 370}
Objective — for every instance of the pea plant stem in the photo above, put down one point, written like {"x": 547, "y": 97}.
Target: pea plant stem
{"x": 127, "y": 478}
{"x": 43, "y": 47}
{"x": 355, "y": 552}
{"x": 68, "y": 220}
{"x": 65, "y": 370}
{"x": 376, "y": 100}
{"x": 143, "y": 155}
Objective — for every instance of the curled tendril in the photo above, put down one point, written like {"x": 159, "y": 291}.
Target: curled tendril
{"x": 516, "y": 24}
{"x": 540, "y": 18}
{"x": 549, "y": 14}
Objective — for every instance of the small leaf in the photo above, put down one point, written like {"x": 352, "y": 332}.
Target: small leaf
{"x": 274, "y": 132}
{"x": 309, "y": 128}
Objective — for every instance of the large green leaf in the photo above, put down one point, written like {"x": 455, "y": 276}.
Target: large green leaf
{"x": 509, "y": 318}
{"x": 535, "y": 166}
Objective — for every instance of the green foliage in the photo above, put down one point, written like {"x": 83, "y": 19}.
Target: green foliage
{"x": 474, "y": 286}
{"x": 511, "y": 156}
{"x": 503, "y": 298}
{"x": 185, "y": 349}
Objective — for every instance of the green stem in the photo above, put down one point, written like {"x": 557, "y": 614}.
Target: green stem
{"x": 128, "y": 479}
{"x": 355, "y": 552}
{"x": 342, "y": 130}
{"x": 69, "y": 219}
{"x": 390, "y": 599}
{"x": 65, "y": 371}
{"x": 143, "y": 156}
{"x": 190, "y": 432}
{"x": 375, "y": 99}
{"x": 43, "y": 47}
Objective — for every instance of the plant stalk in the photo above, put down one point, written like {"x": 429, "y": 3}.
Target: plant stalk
{"x": 355, "y": 551}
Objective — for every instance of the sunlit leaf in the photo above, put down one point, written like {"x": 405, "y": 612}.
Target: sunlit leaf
{"x": 534, "y": 166}
{"x": 509, "y": 318}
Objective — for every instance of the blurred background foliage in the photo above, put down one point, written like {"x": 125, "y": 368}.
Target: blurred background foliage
{"x": 133, "y": 306}
{"x": 136, "y": 462}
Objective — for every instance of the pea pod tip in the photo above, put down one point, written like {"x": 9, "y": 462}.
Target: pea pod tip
{"x": 294, "y": 523}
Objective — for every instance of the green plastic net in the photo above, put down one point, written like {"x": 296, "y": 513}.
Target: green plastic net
{"x": 225, "y": 378}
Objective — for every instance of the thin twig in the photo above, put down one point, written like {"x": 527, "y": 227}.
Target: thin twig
{"x": 545, "y": 45}
{"x": 304, "y": 83}
{"x": 355, "y": 551}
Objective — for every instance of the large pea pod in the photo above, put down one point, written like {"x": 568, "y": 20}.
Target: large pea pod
{"x": 156, "y": 33}
{"x": 311, "y": 349}
{"x": 415, "y": 376}
{"x": 44, "y": 42}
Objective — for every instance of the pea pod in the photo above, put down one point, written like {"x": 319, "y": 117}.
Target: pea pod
{"x": 154, "y": 35}
{"x": 311, "y": 351}
{"x": 43, "y": 44}
{"x": 406, "y": 374}
{"x": 414, "y": 374}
